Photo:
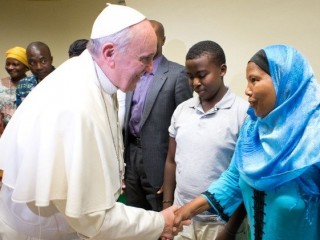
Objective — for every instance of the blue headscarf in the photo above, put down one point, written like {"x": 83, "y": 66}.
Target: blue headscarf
{"x": 281, "y": 146}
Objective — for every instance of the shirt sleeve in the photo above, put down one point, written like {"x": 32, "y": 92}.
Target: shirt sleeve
{"x": 120, "y": 222}
{"x": 172, "y": 130}
{"x": 124, "y": 222}
{"x": 224, "y": 195}
{"x": 174, "y": 120}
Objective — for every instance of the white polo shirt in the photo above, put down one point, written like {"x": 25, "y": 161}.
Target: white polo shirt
{"x": 205, "y": 144}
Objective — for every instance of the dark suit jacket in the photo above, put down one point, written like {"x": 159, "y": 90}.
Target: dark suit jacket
{"x": 169, "y": 88}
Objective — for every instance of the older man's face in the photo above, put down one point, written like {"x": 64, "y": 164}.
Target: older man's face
{"x": 131, "y": 65}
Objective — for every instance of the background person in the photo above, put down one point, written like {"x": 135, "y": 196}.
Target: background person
{"x": 67, "y": 127}
{"x": 275, "y": 169}
{"x": 16, "y": 66}
{"x": 40, "y": 63}
{"x": 148, "y": 112}
{"x": 77, "y": 47}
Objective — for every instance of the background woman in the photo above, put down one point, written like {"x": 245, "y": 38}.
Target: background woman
{"x": 16, "y": 66}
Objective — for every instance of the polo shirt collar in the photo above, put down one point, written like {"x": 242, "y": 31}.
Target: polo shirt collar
{"x": 225, "y": 103}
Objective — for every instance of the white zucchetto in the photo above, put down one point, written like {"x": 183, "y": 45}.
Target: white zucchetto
{"x": 113, "y": 19}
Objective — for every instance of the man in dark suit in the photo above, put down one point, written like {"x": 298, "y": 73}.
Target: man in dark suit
{"x": 148, "y": 113}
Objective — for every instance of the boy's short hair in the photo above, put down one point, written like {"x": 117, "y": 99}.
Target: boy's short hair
{"x": 210, "y": 48}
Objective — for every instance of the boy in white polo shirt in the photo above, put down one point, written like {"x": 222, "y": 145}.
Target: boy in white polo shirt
{"x": 203, "y": 135}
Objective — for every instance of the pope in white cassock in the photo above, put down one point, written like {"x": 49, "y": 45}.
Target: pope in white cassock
{"x": 62, "y": 151}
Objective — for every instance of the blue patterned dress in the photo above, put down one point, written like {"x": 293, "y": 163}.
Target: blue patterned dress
{"x": 7, "y": 102}
{"x": 24, "y": 87}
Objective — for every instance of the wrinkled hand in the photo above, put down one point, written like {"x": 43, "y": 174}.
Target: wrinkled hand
{"x": 169, "y": 217}
{"x": 182, "y": 217}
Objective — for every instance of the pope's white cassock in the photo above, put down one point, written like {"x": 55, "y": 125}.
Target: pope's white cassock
{"x": 62, "y": 159}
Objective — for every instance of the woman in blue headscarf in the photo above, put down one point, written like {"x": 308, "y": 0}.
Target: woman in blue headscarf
{"x": 275, "y": 170}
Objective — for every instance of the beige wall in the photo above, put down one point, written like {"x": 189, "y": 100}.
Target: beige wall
{"x": 241, "y": 27}
{"x": 55, "y": 22}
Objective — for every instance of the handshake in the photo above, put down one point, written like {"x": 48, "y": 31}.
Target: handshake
{"x": 174, "y": 217}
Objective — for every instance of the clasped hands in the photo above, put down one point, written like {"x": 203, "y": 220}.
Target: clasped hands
{"x": 175, "y": 218}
